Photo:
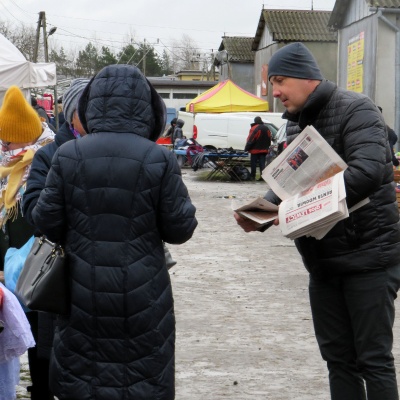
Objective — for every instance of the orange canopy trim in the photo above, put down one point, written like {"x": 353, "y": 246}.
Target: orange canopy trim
{"x": 226, "y": 96}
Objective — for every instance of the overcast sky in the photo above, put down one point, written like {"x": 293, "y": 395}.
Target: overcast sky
{"x": 111, "y": 22}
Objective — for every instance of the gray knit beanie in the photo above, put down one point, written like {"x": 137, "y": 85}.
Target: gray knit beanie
{"x": 296, "y": 61}
{"x": 71, "y": 97}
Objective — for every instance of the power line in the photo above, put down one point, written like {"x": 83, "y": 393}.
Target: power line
{"x": 12, "y": 15}
{"x": 22, "y": 11}
{"x": 119, "y": 23}
{"x": 115, "y": 45}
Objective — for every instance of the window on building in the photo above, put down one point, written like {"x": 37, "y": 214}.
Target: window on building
{"x": 164, "y": 95}
{"x": 184, "y": 95}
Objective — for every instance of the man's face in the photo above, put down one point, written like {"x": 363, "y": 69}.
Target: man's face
{"x": 292, "y": 92}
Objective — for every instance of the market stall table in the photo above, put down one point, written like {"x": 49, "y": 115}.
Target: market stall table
{"x": 221, "y": 163}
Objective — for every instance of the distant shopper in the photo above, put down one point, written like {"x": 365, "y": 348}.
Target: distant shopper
{"x": 42, "y": 113}
{"x": 280, "y": 138}
{"x": 392, "y": 139}
{"x": 178, "y": 132}
{"x": 257, "y": 144}
{"x": 60, "y": 113}
{"x": 40, "y": 110}
{"x": 171, "y": 129}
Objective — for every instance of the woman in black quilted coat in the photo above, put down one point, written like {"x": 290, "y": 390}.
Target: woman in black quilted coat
{"x": 112, "y": 198}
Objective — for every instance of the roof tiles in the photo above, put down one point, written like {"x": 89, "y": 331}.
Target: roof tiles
{"x": 238, "y": 48}
{"x": 384, "y": 3}
{"x": 295, "y": 25}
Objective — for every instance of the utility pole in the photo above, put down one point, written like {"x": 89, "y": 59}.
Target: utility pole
{"x": 42, "y": 24}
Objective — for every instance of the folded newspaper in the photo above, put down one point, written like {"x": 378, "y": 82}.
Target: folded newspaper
{"x": 308, "y": 177}
{"x": 259, "y": 210}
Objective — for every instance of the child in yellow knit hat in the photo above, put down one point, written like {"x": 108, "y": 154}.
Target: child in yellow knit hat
{"x": 21, "y": 135}
{"x": 19, "y": 122}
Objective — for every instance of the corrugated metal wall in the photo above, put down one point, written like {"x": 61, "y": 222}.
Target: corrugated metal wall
{"x": 324, "y": 53}
{"x": 369, "y": 27}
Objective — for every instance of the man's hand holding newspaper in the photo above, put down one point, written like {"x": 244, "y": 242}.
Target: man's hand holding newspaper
{"x": 308, "y": 177}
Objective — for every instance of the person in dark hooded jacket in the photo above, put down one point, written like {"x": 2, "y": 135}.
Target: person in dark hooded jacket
{"x": 41, "y": 163}
{"x": 112, "y": 198}
{"x": 171, "y": 129}
{"x": 40, "y": 167}
{"x": 392, "y": 138}
{"x": 178, "y": 131}
{"x": 354, "y": 269}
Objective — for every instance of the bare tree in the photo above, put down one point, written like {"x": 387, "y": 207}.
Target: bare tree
{"x": 5, "y": 29}
{"x": 185, "y": 54}
{"x": 21, "y": 36}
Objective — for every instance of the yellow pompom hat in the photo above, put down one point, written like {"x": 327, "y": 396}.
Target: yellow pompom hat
{"x": 19, "y": 121}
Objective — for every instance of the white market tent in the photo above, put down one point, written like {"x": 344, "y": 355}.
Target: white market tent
{"x": 16, "y": 70}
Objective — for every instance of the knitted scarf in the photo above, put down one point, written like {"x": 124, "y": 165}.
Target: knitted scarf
{"x": 14, "y": 170}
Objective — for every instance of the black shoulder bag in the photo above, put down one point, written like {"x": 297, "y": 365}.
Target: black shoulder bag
{"x": 43, "y": 284}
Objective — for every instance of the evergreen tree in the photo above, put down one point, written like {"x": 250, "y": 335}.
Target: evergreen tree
{"x": 166, "y": 64}
{"x": 63, "y": 64}
{"x": 106, "y": 58}
{"x": 148, "y": 62}
{"x": 128, "y": 55}
{"x": 88, "y": 61}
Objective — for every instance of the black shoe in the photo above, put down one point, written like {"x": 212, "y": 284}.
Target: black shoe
{"x": 260, "y": 179}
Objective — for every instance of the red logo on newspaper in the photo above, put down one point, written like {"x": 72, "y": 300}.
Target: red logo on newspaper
{"x": 300, "y": 214}
{"x": 326, "y": 182}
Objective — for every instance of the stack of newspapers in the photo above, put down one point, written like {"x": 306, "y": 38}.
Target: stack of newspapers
{"x": 308, "y": 178}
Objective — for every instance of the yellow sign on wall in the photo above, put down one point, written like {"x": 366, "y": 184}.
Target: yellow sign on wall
{"x": 355, "y": 63}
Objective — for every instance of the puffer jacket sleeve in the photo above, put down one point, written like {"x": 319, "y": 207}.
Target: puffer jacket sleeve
{"x": 177, "y": 214}
{"x": 49, "y": 213}
{"x": 272, "y": 197}
{"x": 36, "y": 181}
{"x": 364, "y": 143}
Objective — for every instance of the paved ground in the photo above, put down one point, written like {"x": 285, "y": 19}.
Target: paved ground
{"x": 244, "y": 329}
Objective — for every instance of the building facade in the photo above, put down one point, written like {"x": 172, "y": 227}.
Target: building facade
{"x": 369, "y": 51}
{"x": 276, "y": 28}
{"x": 177, "y": 93}
{"x": 235, "y": 60}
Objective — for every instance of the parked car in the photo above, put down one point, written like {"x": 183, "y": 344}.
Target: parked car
{"x": 225, "y": 130}
{"x": 280, "y": 138}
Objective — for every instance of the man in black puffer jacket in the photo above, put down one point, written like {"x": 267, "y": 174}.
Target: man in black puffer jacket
{"x": 112, "y": 198}
{"x": 355, "y": 269}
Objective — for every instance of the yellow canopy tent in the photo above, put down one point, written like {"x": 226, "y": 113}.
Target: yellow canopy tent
{"x": 226, "y": 97}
